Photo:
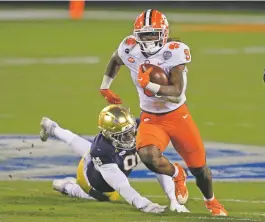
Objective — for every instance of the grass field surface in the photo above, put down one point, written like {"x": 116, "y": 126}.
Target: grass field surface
{"x": 55, "y": 68}
{"x": 38, "y": 202}
{"x": 225, "y": 87}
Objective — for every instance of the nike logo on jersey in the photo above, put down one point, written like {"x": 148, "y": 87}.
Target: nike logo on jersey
{"x": 146, "y": 119}
{"x": 140, "y": 79}
{"x": 160, "y": 63}
{"x": 122, "y": 153}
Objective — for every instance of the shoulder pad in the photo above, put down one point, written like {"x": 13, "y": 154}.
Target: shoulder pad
{"x": 126, "y": 46}
{"x": 177, "y": 53}
{"x": 173, "y": 45}
{"x": 130, "y": 41}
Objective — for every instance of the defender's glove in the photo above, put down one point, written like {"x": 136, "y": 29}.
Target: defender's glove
{"x": 175, "y": 206}
{"x": 153, "y": 208}
{"x": 110, "y": 96}
{"x": 143, "y": 77}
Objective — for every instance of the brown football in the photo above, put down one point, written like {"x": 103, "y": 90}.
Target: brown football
{"x": 157, "y": 75}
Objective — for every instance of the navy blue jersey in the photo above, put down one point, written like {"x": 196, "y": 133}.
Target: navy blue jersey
{"x": 103, "y": 152}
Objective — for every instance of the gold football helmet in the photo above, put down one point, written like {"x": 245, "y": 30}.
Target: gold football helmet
{"x": 118, "y": 125}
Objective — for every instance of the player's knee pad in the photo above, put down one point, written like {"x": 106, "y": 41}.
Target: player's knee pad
{"x": 203, "y": 171}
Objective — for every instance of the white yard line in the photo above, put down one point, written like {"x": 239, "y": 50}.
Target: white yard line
{"x": 222, "y": 200}
{"x": 235, "y": 51}
{"x": 245, "y": 125}
{"x": 49, "y": 61}
{"x": 221, "y": 218}
{"x": 35, "y": 14}
{"x": 255, "y": 214}
{"x": 5, "y": 116}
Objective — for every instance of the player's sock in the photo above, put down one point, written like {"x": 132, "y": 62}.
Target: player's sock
{"x": 75, "y": 190}
{"x": 168, "y": 185}
{"x": 205, "y": 199}
{"x": 79, "y": 145}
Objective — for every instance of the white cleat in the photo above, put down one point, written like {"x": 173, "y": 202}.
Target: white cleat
{"x": 47, "y": 127}
{"x": 59, "y": 185}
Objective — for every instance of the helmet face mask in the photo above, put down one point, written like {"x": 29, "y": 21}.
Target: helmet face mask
{"x": 150, "y": 42}
{"x": 151, "y": 31}
{"x": 148, "y": 36}
{"x": 119, "y": 126}
{"x": 125, "y": 140}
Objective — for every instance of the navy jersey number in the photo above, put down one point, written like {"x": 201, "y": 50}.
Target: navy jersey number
{"x": 131, "y": 161}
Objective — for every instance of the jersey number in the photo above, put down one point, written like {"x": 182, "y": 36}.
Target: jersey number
{"x": 131, "y": 161}
{"x": 187, "y": 53}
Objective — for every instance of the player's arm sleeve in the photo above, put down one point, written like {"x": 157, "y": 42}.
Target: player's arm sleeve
{"x": 119, "y": 182}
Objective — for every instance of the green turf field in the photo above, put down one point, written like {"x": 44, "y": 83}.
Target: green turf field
{"x": 39, "y": 203}
{"x": 225, "y": 95}
{"x": 225, "y": 92}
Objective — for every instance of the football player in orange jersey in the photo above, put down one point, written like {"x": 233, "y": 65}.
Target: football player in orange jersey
{"x": 165, "y": 116}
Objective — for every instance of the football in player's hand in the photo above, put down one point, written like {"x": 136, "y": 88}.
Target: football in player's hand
{"x": 157, "y": 75}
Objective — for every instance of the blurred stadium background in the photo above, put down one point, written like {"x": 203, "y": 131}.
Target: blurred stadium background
{"x": 52, "y": 65}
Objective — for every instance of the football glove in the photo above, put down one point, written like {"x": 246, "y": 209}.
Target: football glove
{"x": 143, "y": 77}
{"x": 110, "y": 96}
{"x": 154, "y": 208}
{"x": 175, "y": 206}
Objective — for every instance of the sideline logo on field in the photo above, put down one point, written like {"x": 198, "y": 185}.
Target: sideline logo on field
{"x": 26, "y": 157}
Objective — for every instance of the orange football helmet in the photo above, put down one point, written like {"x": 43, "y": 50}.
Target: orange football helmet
{"x": 151, "y": 31}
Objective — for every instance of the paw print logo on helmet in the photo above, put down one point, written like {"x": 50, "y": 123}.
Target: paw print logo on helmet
{"x": 151, "y": 31}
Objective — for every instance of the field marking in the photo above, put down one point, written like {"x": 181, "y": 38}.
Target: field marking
{"x": 221, "y": 218}
{"x": 49, "y": 61}
{"x": 25, "y": 156}
{"x": 232, "y": 51}
{"x": 256, "y": 214}
{"x": 5, "y": 116}
{"x": 46, "y": 14}
{"x": 257, "y": 28}
{"x": 246, "y": 125}
{"x": 222, "y": 200}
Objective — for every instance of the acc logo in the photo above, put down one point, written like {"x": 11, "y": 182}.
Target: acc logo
{"x": 131, "y": 60}
{"x": 167, "y": 55}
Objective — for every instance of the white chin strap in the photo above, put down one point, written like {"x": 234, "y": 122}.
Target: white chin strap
{"x": 150, "y": 47}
